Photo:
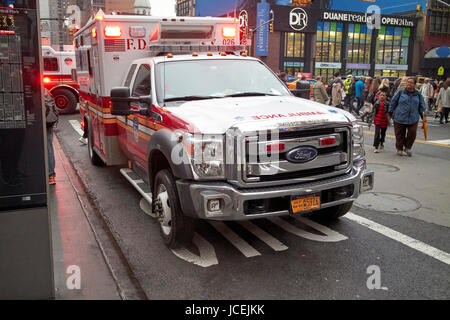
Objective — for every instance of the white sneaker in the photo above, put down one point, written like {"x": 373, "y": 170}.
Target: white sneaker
{"x": 408, "y": 152}
{"x": 83, "y": 140}
{"x": 399, "y": 152}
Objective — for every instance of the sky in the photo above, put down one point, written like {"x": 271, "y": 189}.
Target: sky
{"x": 163, "y": 7}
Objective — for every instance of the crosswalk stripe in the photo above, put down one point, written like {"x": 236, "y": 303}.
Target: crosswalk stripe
{"x": 331, "y": 236}
{"x": 268, "y": 239}
{"x": 404, "y": 239}
{"x": 239, "y": 243}
{"x": 77, "y": 126}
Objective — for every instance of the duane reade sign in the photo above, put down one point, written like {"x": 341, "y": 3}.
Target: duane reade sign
{"x": 298, "y": 19}
{"x": 364, "y": 18}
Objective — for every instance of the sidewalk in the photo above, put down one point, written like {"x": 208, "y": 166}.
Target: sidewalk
{"x": 74, "y": 241}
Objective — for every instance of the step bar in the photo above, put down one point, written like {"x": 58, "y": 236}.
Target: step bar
{"x": 139, "y": 185}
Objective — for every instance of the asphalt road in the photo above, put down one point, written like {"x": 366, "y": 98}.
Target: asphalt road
{"x": 399, "y": 232}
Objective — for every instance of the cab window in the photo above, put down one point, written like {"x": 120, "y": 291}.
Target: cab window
{"x": 142, "y": 86}
{"x": 51, "y": 64}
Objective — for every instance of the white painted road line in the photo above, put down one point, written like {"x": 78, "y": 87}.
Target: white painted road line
{"x": 77, "y": 126}
{"x": 404, "y": 239}
{"x": 330, "y": 235}
{"x": 447, "y": 141}
{"x": 207, "y": 256}
{"x": 268, "y": 239}
{"x": 240, "y": 244}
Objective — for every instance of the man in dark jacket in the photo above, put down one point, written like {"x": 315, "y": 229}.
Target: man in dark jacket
{"x": 407, "y": 106}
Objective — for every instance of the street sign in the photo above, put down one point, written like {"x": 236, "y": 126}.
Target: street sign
{"x": 441, "y": 71}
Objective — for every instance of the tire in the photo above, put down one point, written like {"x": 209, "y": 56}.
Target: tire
{"x": 66, "y": 101}
{"x": 332, "y": 213}
{"x": 93, "y": 156}
{"x": 176, "y": 228}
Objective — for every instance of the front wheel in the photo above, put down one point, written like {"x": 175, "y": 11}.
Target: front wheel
{"x": 176, "y": 228}
{"x": 333, "y": 213}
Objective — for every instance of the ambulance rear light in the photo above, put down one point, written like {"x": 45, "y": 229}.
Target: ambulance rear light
{"x": 113, "y": 31}
{"x": 94, "y": 33}
{"x": 46, "y": 80}
{"x": 229, "y": 32}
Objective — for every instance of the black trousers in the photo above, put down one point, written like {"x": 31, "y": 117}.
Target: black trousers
{"x": 380, "y": 135}
{"x": 360, "y": 104}
{"x": 444, "y": 113}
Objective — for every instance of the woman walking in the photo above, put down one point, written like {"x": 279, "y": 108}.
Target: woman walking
{"x": 443, "y": 101}
{"x": 406, "y": 108}
{"x": 319, "y": 92}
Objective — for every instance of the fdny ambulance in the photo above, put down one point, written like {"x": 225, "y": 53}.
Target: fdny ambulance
{"x": 206, "y": 132}
{"x": 58, "y": 78}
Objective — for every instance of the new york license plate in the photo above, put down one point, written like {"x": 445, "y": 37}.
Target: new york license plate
{"x": 300, "y": 204}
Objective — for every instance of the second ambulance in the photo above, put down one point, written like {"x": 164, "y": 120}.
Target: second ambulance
{"x": 206, "y": 132}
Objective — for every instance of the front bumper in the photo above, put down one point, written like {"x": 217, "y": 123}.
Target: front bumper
{"x": 234, "y": 203}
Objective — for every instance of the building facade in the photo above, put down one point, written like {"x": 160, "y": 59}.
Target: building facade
{"x": 435, "y": 56}
{"x": 185, "y": 8}
{"x": 327, "y": 36}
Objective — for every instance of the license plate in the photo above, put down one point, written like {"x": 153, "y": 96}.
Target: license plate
{"x": 306, "y": 203}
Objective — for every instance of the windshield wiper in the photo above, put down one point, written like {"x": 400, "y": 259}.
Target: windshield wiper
{"x": 189, "y": 98}
{"x": 248, "y": 94}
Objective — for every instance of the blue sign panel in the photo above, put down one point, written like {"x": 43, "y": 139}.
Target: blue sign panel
{"x": 262, "y": 34}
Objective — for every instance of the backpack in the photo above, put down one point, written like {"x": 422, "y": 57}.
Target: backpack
{"x": 51, "y": 113}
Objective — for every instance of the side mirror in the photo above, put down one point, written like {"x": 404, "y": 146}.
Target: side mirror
{"x": 120, "y": 99}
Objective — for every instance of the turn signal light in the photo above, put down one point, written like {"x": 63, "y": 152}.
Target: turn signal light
{"x": 229, "y": 32}
{"x": 275, "y": 147}
{"x": 328, "y": 141}
{"x": 111, "y": 31}
{"x": 94, "y": 33}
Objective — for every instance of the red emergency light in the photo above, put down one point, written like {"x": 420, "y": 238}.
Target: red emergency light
{"x": 46, "y": 80}
{"x": 113, "y": 31}
{"x": 229, "y": 32}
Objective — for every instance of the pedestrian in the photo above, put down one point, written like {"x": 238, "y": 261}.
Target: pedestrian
{"x": 427, "y": 93}
{"x": 337, "y": 91}
{"x": 406, "y": 107}
{"x": 401, "y": 85}
{"x": 51, "y": 119}
{"x": 359, "y": 88}
{"x": 347, "y": 85}
{"x": 284, "y": 77}
{"x": 319, "y": 93}
{"x": 384, "y": 87}
{"x": 381, "y": 121}
{"x": 443, "y": 101}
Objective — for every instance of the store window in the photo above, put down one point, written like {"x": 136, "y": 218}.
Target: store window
{"x": 392, "y": 49}
{"x": 328, "y": 47}
{"x": 293, "y": 55}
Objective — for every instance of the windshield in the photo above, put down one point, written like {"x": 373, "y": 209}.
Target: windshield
{"x": 204, "y": 79}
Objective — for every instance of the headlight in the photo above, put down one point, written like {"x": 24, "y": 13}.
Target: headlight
{"x": 358, "y": 141}
{"x": 207, "y": 156}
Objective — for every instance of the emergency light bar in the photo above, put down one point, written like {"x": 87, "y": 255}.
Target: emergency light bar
{"x": 189, "y": 49}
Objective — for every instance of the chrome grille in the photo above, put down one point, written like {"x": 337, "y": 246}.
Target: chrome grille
{"x": 331, "y": 160}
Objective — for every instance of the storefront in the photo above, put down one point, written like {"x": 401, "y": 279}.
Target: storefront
{"x": 322, "y": 42}
{"x": 347, "y": 42}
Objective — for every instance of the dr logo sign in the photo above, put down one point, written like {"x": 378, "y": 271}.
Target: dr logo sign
{"x": 136, "y": 44}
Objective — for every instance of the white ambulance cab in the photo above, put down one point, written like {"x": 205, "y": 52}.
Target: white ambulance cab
{"x": 206, "y": 132}
{"x": 58, "y": 78}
